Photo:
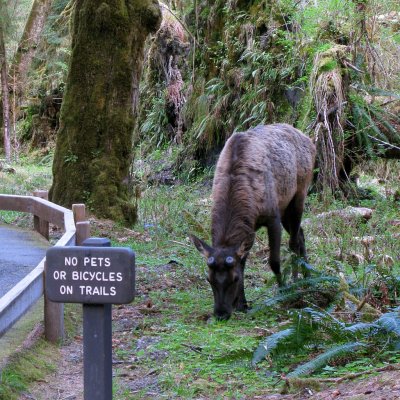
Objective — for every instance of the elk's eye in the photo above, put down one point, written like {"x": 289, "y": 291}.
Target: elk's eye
{"x": 229, "y": 260}
{"x": 210, "y": 261}
{"x": 236, "y": 279}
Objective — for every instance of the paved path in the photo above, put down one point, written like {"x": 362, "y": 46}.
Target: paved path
{"x": 20, "y": 252}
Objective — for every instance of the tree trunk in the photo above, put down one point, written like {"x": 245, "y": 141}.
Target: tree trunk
{"x": 4, "y": 91}
{"x": 27, "y": 49}
{"x": 93, "y": 150}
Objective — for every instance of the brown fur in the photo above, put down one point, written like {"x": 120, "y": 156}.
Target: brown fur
{"x": 261, "y": 179}
{"x": 258, "y": 173}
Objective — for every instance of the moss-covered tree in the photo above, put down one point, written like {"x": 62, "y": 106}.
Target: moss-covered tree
{"x": 93, "y": 150}
{"x": 27, "y": 46}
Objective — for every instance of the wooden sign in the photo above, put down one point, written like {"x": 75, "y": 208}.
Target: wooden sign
{"x": 90, "y": 275}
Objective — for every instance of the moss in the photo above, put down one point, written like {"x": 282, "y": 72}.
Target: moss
{"x": 96, "y": 116}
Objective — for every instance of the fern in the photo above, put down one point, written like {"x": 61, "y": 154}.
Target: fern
{"x": 324, "y": 358}
{"x": 234, "y": 355}
{"x": 360, "y": 327}
{"x": 271, "y": 343}
{"x": 372, "y": 90}
{"x": 328, "y": 327}
{"x": 390, "y": 322}
{"x": 319, "y": 328}
{"x": 305, "y": 290}
{"x": 372, "y": 122}
{"x": 312, "y": 283}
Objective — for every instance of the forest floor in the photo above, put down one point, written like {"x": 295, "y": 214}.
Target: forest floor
{"x": 66, "y": 382}
{"x": 167, "y": 345}
{"x": 143, "y": 321}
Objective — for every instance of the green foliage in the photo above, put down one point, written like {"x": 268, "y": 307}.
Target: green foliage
{"x": 324, "y": 358}
{"x": 13, "y": 17}
{"x": 322, "y": 289}
{"x": 53, "y": 54}
{"x": 374, "y": 126}
{"x": 154, "y": 128}
{"x": 26, "y": 368}
{"x": 29, "y": 175}
{"x": 391, "y": 323}
{"x": 272, "y": 343}
{"x": 335, "y": 339}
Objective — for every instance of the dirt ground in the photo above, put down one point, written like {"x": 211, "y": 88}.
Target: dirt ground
{"x": 66, "y": 383}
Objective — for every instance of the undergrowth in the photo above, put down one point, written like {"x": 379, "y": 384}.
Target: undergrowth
{"x": 342, "y": 319}
{"x": 25, "y": 368}
{"x": 36, "y": 361}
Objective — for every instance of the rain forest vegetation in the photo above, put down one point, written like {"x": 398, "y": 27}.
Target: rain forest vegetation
{"x": 213, "y": 68}
{"x": 139, "y": 143}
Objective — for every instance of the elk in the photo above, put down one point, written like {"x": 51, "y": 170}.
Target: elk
{"x": 261, "y": 179}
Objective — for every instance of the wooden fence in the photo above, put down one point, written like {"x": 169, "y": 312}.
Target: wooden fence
{"x": 15, "y": 303}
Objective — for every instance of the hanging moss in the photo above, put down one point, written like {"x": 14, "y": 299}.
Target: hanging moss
{"x": 92, "y": 155}
{"x": 240, "y": 80}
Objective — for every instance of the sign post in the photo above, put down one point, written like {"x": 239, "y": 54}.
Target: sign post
{"x": 97, "y": 276}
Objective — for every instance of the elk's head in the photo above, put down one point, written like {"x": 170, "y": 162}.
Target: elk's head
{"x": 225, "y": 275}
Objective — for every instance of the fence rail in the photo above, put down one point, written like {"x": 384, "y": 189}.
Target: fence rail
{"x": 17, "y": 301}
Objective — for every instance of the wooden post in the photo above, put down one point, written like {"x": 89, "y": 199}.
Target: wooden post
{"x": 41, "y": 225}
{"x": 53, "y": 319}
{"x": 79, "y": 211}
{"x": 53, "y": 312}
{"x": 82, "y": 232}
{"x": 82, "y": 226}
{"x": 97, "y": 343}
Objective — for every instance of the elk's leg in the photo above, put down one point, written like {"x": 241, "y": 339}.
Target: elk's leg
{"x": 241, "y": 304}
{"x": 274, "y": 238}
{"x": 292, "y": 223}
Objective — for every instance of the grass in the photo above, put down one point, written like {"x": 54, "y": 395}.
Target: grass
{"x": 167, "y": 341}
{"x": 26, "y": 178}
{"x": 213, "y": 359}
{"x": 36, "y": 361}
{"x": 25, "y": 368}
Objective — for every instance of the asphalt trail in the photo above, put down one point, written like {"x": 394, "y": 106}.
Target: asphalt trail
{"x": 20, "y": 252}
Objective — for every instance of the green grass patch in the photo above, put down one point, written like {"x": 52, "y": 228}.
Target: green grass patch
{"x": 26, "y": 178}
{"x": 25, "y": 368}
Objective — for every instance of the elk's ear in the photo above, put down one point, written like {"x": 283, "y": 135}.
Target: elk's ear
{"x": 201, "y": 246}
{"x": 242, "y": 250}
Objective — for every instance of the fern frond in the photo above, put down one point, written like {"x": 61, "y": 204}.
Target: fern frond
{"x": 370, "y": 125}
{"x": 307, "y": 267}
{"x": 361, "y": 134}
{"x": 390, "y": 322}
{"x": 310, "y": 283}
{"x": 270, "y": 344}
{"x": 280, "y": 298}
{"x": 324, "y": 358}
{"x": 323, "y": 316}
{"x": 377, "y": 91}
{"x": 234, "y": 355}
{"x": 304, "y": 291}
{"x": 360, "y": 327}
{"x": 325, "y": 324}
{"x": 380, "y": 115}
